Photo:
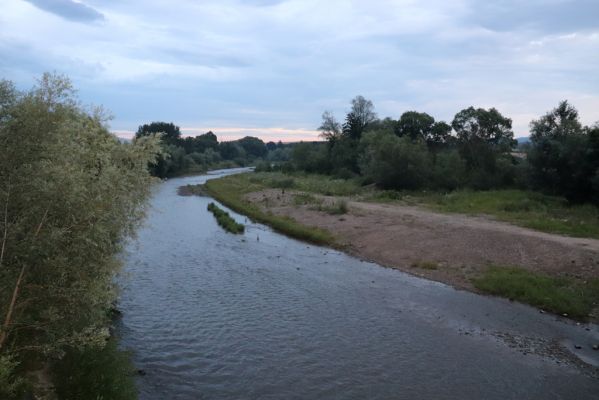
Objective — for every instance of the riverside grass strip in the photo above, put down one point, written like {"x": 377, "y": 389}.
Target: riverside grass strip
{"x": 225, "y": 221}
{"x": 230, "y": 190}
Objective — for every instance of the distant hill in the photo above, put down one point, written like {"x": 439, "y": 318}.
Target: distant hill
{"x": 523, "y": 140}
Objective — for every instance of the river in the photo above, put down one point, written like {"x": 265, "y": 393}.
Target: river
{"x": 211, "y": 315}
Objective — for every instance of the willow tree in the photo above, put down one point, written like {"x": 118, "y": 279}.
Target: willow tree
{"x": 70, "y": 193}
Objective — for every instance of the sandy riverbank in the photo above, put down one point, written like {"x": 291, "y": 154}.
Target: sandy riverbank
{"x": 458, "y": 247}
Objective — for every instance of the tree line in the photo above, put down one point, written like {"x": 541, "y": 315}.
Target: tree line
{"x": 181, "y": 155}
{"x": 476, "y": 150}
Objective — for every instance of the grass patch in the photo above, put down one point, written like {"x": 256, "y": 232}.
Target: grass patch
{"x": 524, "y": 208}
{"x": 230, "y": 191}
{"x": 224, "y": 220}
{"x": 339, "y": 207}
{"x": 558, "y": 295}
{"x": 311, "y": 183}
{"x": 429, "y": 265}
{"x": 95, "y": 373}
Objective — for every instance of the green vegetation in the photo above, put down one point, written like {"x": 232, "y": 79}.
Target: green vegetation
{"x": 230, "y": 191}
{"x": 70, "y": 194}
{"x": 525, "y": 208}
{"x": 558, "y": 295}
{"x": 95, "y": 372}
{"x": 193, "y": 155}
{"x": 429, "y": 265}
{"x": 224, "y": 220}
{"x": 311, "y": 183}
{"x": 474, "y": 152}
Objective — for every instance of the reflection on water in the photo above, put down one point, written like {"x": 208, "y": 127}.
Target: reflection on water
{"x": 213, "y": 315}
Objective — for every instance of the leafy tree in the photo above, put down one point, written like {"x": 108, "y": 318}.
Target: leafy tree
{"x": 330, "y": 128}
{"x": 253, "y": 146}
{"x": 170, "y": 132}
{"x": 395, "y": 163}
{"x": 415, "y": 125}
{"x": 70, "y": 193}
{"x": 561, "y": 121}
{"x": 482, "y": 135}
{"x": 564, "y": 156}
{"x": 359, "y": 118}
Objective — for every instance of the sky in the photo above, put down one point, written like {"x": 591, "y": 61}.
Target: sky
{"x": 269, "y": 68}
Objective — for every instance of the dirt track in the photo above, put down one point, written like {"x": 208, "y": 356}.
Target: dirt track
{"x": 400, "y": 236}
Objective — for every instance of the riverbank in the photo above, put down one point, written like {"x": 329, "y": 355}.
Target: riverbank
{"x": 555, "y": 273}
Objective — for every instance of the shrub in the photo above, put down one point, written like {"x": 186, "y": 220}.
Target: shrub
{"x": 224, "y": 220}
{"x": 95, "y": 373}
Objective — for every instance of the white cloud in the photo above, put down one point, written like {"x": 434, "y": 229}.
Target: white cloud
{"x": 281, "y": 63}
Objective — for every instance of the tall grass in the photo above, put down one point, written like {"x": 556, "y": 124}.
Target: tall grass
{"x": 524, "y": 208}
{"x": 558, "y": 295}
{"x": 224, "y": 220}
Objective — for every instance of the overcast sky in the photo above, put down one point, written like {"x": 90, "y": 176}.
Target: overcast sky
{"x": 269, "y": 68}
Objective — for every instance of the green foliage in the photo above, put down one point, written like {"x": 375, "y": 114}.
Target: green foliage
{"x": 564, "y": 157}
{"x": 95, "y": 372}
{"x": 230, "y": 191}
{"x": 395, "y": 163}
{"x": 224, "y": 220}
{"x": 70, "y": 194}
{"x": 312, "y": 183}
{"x": 449, "y": 171}
{"x": 311, "y": 157}
{"x": 428, "y": 265}
{"x": 169, "y": 133}
{"x": 559, "y": 295}
{"x": 525, "y": 208}
{"x": 11, "y": 385}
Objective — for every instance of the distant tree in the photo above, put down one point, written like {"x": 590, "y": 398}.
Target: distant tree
{"x": 414, "y": 125}
{"x": 171, "y": 133}
{"x": 387, "y": 124}
{"x": 359, "y": 118}
{"x": 564, "y": 156}
{"x": 271, "y": 146}
{"x": 481, "y": 135}
{"x": 561, "y": 121}
{"x": 253, "y": 146}
{"x": 395, "y": 163}
{"x": 439, "y": 135}
{"x": 330, "y": 128}
{"x": 230, "y": 150}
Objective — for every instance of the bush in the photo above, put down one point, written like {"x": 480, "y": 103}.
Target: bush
{"x": 395, "y": 163}
{"x": 558, "y": 295}
{"x": 449, "y": 172}
{"x": 11, "y": 386}
{"x": 224, "y": 220}
{"x": 95, "y": 373}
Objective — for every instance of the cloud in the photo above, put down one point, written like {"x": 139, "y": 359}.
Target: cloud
{"x": 280, "y": 63}
{"x": 68, "y": 9}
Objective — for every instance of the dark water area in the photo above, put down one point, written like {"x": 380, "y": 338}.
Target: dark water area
{"x": 211, "y": 315}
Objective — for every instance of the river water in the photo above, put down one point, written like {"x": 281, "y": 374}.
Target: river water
{"x": 210, "y": 315}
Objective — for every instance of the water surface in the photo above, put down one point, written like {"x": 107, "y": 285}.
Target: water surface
{"x": 210, "y": 315}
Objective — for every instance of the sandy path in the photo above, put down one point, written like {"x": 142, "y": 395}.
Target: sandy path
{"x": 399, "y": 236}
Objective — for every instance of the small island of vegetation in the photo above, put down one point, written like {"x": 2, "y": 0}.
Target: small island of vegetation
{"x": 224, "y": 220}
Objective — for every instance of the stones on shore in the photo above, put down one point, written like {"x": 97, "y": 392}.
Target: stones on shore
{"x": 596, "y": 347}
{"x": 577, "y": 347}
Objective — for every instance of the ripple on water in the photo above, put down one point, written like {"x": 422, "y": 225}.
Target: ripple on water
{"x": 211, "y": 316}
